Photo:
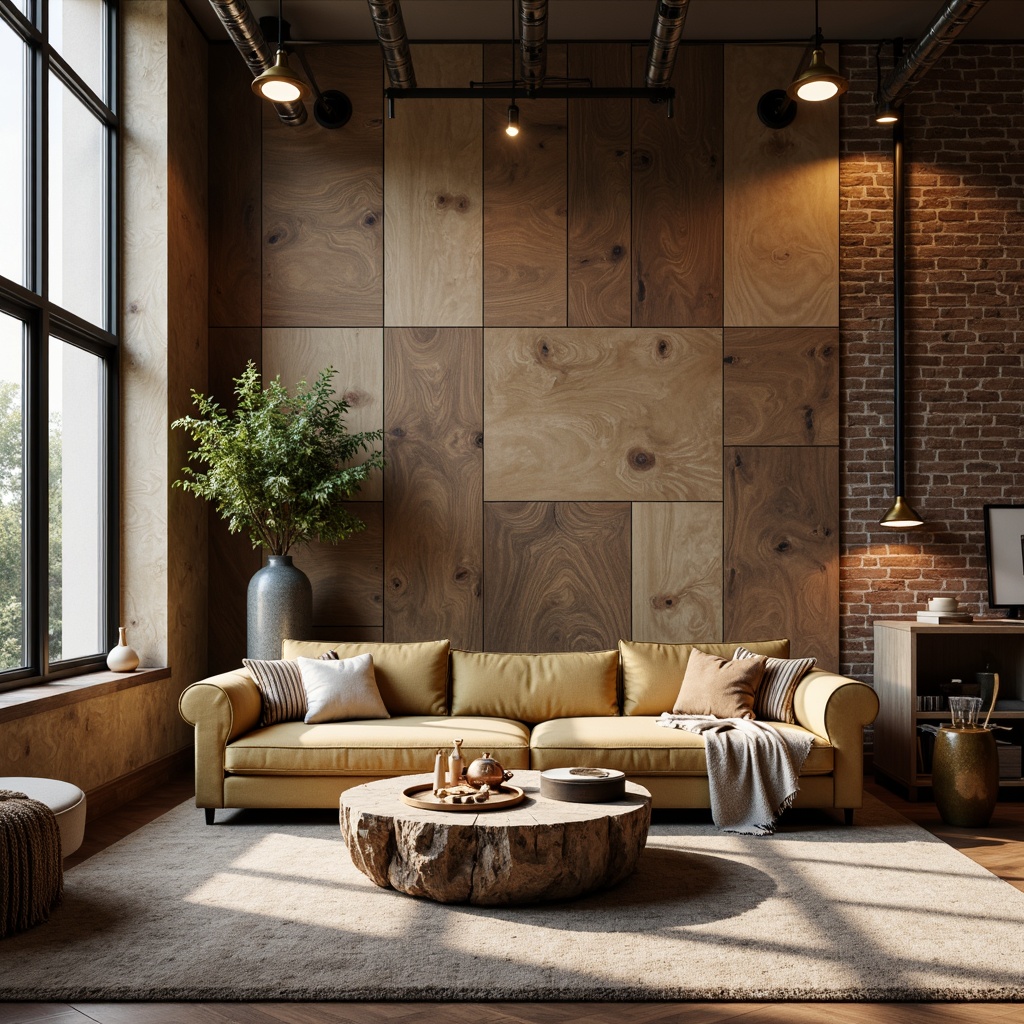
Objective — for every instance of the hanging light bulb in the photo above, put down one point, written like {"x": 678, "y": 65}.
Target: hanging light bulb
{"x": 280, "y": 84}
{"x": 512, "y": 128}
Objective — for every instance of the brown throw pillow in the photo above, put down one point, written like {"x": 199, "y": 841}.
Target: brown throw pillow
{"x": 714, "y": 686}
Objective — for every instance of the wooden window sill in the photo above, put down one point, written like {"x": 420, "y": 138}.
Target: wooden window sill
{"x": 32, "y": 700}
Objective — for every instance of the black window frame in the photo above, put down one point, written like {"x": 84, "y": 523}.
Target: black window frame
{"x": 46, "y": 321}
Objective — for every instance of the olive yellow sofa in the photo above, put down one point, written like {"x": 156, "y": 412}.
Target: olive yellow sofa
{"x": 539, "y": 711}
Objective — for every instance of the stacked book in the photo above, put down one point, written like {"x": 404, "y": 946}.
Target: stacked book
{"x": 941, "y": 618}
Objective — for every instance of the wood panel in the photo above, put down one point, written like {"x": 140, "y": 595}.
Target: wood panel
{"x": 235, "y": 123}
{"x": 434, "y": 485}
{"x": 323, "y": 203}
{"x": 599, "y": 191}
{"x": 677, "y": 195}
{"x": 782, "y": 548}
{"x": 677, "y": 571}
{"x": 356, "y": 353}
{"x": 781, "y": 386}
{"x": 433, "y": 243}
{"x": 781, "y": 199}
{"x": 233, "y": 560}
{"x": 587, "y": 414}
{"x": 557, "y": 575}
{"x": 524, "y": 203}
{"x": 348, "y": 577}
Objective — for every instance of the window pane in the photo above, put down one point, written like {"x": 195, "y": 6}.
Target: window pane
{"x": 76, "y": 33}
{"x": 13, "y": 646}
{"x": 13, "y": 176}
{"x": 77, "y": 206}
{"x": 77, "y": 478}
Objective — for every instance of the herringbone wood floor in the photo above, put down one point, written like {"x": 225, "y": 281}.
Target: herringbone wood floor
{"x": 999, "y": 848}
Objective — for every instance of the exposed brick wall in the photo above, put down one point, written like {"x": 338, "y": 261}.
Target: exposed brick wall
{"x": 964, "y": 345}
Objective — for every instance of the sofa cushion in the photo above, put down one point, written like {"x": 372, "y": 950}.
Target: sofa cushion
{"x": 412, "y": 678}
{"x": 781, "y": 676}
{"x": 718, "y": 686}
{"x": 282, "y": 695}
{"x": 534, "y": 687}
{"x": 340, "y": 690}
{"x": 653, "y": 673}
{"x": 378, "y": 747}
{"x": 636, "y": 746}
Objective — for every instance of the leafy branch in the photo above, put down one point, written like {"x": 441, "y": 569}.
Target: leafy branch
{"x": 279, "y": 467}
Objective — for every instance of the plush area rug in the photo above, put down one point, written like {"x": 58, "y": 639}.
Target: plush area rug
{"x": 269, "y": 906}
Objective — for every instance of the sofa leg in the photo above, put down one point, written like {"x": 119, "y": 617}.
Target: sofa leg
{"x": 210, "y": 812}
{"x": 847, "y": 815}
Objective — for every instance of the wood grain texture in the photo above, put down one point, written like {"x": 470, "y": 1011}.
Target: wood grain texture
{"x": 524, "y": 203}
{"x": 348, "y": 577}
{"x": 677, "y": 195}
{"x": 235, "y": 127}
{"x": 356, "y": 353}
{"x": 232, "y": 559}
{"x": 781, "y": 199}
{"x": 782, "y": 548}
{"x": 433, "y": 243}
{"x": 599, "y": 191}
{"x": 584, "y": 414}
{"x": 558, "y": 575}
{"x": 434, "y": 484}
{"x": 781, "y": 386}
{"x": 323, "y": 203}
{"x": 677, "y": 571}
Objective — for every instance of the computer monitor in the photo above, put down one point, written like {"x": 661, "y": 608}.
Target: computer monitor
{"x": 1004, "y": 552}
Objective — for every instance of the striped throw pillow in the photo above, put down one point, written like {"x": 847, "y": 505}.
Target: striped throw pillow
{"x": 281, "y": 690}
{"x": 774, "y": 701}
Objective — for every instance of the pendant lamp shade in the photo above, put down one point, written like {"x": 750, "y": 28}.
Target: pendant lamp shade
{"x": 280, "y": 84}
{"x": 901, "y": 516}
{"x": 819, "y": 81}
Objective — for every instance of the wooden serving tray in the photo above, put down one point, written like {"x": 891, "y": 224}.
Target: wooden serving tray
{"x": 422, "y": 796}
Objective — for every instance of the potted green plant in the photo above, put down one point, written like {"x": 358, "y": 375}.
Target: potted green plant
{"x": 278, "y": 468}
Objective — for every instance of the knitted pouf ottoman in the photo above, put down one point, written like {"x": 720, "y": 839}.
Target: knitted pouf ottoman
{"x": 41, "y": 821}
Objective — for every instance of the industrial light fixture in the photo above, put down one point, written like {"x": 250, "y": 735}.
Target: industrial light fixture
{"x": 900, "y": 516}
{"x": 279, "y": 83}
{"x": 819, "y": 81}
{"x": 512, "y": 128}
{"x": 885, "y": 111}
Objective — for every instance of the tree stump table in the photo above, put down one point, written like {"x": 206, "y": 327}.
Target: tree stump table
{"x": 536, "y": 851}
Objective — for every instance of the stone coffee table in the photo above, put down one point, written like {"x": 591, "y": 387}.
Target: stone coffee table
{"x": 538, "y": 850}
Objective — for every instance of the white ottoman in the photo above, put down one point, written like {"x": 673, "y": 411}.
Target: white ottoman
{"x": 65, "y": 800}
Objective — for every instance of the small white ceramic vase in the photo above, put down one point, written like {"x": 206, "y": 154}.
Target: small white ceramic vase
{"x": 122, "y": 658}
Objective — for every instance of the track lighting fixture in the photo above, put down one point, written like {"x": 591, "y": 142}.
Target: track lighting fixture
{"x": 512, "y": 128}
{"x": 886, "y": 113}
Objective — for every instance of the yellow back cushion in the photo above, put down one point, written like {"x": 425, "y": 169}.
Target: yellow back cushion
{"x": 653, "y": 673}
{"x": 534, "y": 687}
{"x": 412, "y": 678}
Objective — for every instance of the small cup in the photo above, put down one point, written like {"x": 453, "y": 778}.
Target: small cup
{"x": 965, "y": 711}
{"x": 942, "y": 604}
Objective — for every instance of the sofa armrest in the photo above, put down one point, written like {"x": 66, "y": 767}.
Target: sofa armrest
{"x": 837, "y": 709}
{"x": 221, "y": 708}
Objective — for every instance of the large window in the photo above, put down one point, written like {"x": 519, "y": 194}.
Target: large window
{"x": 58, "y": 337}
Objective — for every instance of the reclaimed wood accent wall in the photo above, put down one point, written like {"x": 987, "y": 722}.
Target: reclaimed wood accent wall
{"x": 604, "y": 354}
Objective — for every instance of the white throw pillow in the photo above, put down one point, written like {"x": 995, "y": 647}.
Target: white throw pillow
{"x": 340, "y": 690}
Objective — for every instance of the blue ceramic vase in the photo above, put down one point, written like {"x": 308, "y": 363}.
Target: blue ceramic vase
{"x": 279, "y": 607}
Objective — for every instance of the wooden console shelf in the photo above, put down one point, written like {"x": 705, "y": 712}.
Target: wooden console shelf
{"x": 915, "y": 659}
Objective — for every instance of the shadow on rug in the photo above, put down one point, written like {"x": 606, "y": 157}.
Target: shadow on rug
{"x": 269, "y": 906}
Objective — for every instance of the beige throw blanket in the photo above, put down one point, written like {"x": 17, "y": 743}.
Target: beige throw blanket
{"x": 753, "y": 769}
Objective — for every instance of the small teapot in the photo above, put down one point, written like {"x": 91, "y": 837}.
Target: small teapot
{"x": 486, "y": 771}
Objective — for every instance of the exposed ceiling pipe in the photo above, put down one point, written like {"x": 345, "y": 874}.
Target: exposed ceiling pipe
{"x": 390, "y": 29}
{"x": 244, "y": 32}
{"x": 533, "y": 41}
{"x": 667, "y": 30}
{"x": 952, "y": 18}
